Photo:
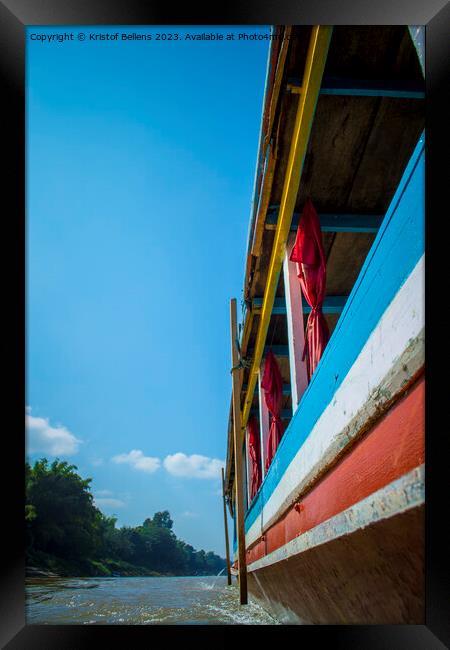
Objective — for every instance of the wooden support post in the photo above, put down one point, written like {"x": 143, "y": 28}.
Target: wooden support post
{"x": 295, "y": 327}
{"x": 264, "y": 423}
{"x": 238, "y": 475}
{"x": 225, "y": 523}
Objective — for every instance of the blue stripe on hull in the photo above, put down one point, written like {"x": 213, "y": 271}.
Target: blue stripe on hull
{"x": 395, "y": 252}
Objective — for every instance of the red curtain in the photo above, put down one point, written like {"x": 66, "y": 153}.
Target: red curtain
{"x": 255, "y": 455}
{"x": 272, "y": 385}
{"x": 311, "y": 267}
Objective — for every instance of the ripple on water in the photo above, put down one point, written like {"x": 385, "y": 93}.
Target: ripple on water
{"x": 141, "y": 601}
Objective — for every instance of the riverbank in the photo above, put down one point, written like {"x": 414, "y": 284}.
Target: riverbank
{"x": 46, "y": 565}
{"x": 49, "y": 566}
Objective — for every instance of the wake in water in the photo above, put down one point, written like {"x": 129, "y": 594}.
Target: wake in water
{"x": 210, "y": 586}
{"x": 141, "y": 601}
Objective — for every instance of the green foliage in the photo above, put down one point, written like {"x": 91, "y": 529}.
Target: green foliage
{"x": 100, "y": 569}
{"x": 66, "y": 533}
{"x": 162, "y": 520}
{"x": 65, "y": 521}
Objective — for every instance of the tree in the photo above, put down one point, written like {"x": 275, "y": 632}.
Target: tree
{"x": 62, "y": 519}
{"x": 163, "y": 520}
{"x": 63, "y": 524}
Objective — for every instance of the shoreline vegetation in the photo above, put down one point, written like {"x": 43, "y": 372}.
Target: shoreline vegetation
{"x": 68, "y": 536}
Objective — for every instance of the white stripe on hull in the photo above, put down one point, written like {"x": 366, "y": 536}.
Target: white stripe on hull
{"x": 402, "y": 494}
{"x": 376, "y": 376}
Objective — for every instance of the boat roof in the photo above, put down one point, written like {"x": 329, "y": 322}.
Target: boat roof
{"x": 368, "y": 118}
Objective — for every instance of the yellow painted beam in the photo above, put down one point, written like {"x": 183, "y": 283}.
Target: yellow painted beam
{"x": 312, "y": 79}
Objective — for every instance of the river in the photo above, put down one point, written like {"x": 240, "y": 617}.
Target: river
{"x": 197, "y": 600}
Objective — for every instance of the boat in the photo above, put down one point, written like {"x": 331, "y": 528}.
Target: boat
{"x": 325, "y": 474}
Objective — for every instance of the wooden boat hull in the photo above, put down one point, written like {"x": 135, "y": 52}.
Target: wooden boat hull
{"x": 372, "y": 576}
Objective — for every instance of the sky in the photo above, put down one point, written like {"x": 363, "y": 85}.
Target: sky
{"x": 141, "y": 158}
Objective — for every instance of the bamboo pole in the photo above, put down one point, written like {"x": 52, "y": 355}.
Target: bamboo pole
{"x": 236, "y": 373}
{"x": 227, "y": 547}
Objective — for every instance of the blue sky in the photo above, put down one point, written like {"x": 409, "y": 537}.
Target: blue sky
{"x": 140, "y": 167}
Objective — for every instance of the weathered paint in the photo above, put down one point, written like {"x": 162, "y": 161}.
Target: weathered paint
{"x": 391, "y": 357}
{"x": 383, "y": 313}
{"x": 403, "y": 494}
{"x": 391, "y": 449}
{"x": 374, "y": 575}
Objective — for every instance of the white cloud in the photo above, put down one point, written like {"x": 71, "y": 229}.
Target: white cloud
{"x": 103, "y": 493}
{"x": 112, "y": 503}
{"x": 189, "y": 514}
{"x": 137, "y": 460}
{"x": 43, "y": 438}
{"x": 96, "y": 462}
{"x": 194, "y": 466}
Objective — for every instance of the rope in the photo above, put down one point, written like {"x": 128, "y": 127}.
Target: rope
{"x": 244, "y": 362}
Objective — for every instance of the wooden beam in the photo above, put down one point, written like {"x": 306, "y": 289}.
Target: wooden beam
{"x": 278, "y": 309}
{"x": 236, "y": 371}
{"x": 295, "y": 327}
{"x": 285, "y": 414}
{"x": 331, "y": 222}
{"x": 364, "y": 88}
{"x": 286, "y": 389}
{"x": 312, "y": 78}
{"x": 278, "y": 350}
{"x": 331, "y": 305}
{"x": 225, "y": 523}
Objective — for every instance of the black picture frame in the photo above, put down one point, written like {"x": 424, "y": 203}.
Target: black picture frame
{"x": 15, "y": 15}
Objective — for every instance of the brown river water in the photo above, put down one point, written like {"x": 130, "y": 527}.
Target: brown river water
{"x": 197, "y": 600}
